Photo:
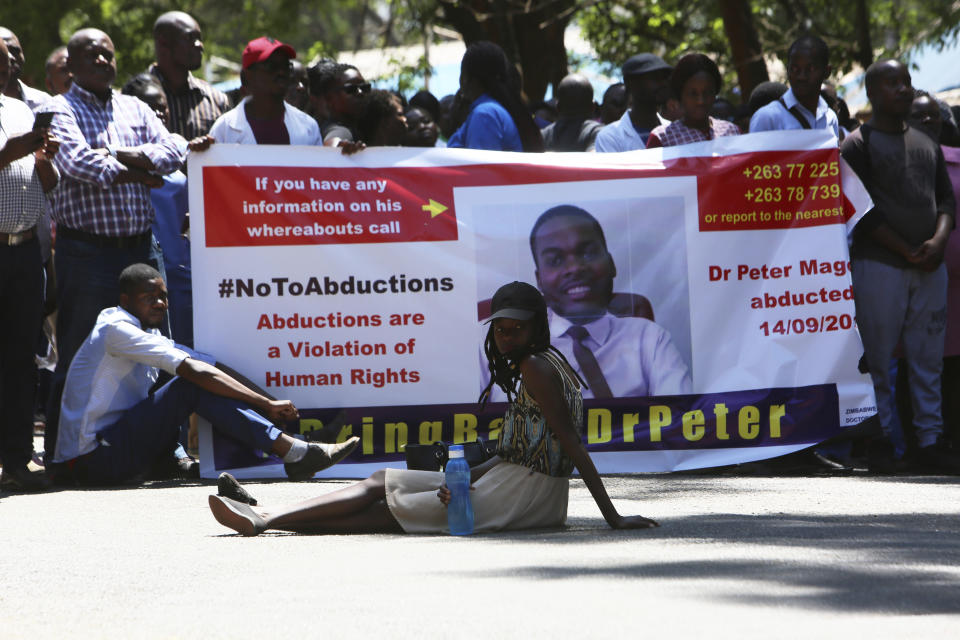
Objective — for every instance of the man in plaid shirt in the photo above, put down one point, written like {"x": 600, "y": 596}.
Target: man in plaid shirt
{"x": 113, "y": 150}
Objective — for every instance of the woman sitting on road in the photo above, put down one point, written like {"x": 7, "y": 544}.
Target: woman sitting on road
{"x": 525, "y": 485}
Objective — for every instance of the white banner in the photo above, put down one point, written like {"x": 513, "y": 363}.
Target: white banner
{"x": 713, "y": 280}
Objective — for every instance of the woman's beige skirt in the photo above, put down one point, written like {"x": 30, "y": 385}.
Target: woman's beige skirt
{"x": 509, "y": 496}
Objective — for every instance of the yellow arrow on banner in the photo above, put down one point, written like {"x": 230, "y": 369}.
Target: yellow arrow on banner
{"x": 435, "y": 208}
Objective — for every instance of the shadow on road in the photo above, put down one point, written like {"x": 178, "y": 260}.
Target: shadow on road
{"x": 899, "y": 566}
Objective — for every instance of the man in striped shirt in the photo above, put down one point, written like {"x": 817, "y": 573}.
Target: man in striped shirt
{"x": 17, "y": 88}
{"x": 113, "y": 151}
{"x": 26, "y": 174}
{"x": 194, "y": 104}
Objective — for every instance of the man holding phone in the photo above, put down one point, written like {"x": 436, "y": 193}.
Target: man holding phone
{"x": 41, "y": 122}
{"x": 27, "y": 175}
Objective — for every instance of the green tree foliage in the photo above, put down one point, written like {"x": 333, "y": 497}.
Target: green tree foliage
{"x": 619, "y": 29}
{"x": 857, "y": 32}
{"x": 308, "y": 25}
{"x": 531, "y": 31}
{"x": 38, "y": 30}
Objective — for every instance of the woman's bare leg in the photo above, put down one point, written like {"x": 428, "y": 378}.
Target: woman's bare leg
{"x": 374, "y": 518}
{"x": 359, "y": 508}
{"x": 352, "y": 508}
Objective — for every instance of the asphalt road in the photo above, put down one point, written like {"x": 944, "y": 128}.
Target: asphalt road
{"x": 744, "y": 557}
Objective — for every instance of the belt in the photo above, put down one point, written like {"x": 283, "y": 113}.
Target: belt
{"x": 13, "y": 239}
{"x": 123, "y": 242}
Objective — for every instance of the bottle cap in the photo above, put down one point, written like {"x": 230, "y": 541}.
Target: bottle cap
{"x": 455, "y": 451}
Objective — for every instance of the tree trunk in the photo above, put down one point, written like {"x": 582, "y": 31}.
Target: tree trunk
{"x": 864, "y": 46}
{"x": 541, "y": 50}
{"x": 744, "y": 45}
{"x": 358, "y": 40}
{"x": 532, "y": 37}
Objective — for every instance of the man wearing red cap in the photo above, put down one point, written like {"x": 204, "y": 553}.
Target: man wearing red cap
{"x": 263, "y": 117}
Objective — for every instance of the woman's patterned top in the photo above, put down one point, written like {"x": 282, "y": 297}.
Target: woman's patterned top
{"x": 526, "y": 439}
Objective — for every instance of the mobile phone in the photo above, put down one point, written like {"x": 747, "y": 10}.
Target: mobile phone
{"x": 42, "y": 120}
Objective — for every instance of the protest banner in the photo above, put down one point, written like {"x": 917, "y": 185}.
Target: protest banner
{"x": 356, "y": 287}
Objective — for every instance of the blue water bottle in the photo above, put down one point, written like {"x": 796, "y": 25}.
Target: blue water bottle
{"x": 460, "y": 510}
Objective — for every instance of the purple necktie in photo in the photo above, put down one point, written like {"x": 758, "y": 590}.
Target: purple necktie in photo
{"x": 588, "y": 363}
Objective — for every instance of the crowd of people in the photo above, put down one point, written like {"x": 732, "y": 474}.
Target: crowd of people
{"x": 93, "y": 214}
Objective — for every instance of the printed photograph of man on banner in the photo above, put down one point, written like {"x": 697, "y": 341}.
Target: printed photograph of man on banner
{"x": 599, "y": 265}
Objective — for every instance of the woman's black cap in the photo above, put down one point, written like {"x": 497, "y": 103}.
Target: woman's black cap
{"x": 517, "y": 301}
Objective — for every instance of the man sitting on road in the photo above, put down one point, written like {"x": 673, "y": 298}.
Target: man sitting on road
{"x": 112, "y": 429}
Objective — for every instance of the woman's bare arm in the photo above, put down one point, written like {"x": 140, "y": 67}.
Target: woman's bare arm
{"x": 541, "y": 381}
{"x": 476, "y": 473}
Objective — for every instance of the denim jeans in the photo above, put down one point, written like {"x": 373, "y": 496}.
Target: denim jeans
{"x": 87, "y": 283}
{"x": 905, "y": 306}
{"x": 149, "y": 430}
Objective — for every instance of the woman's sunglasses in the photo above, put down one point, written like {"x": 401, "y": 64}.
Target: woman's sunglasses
{"x": 357, "y": 89}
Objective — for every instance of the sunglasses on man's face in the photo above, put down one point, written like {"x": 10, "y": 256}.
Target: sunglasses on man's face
{"x": 357, "y": 89}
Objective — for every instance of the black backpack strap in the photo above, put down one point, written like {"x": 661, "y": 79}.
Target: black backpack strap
{"x": 795, "y": 113}
{"x": 865, "y": 130}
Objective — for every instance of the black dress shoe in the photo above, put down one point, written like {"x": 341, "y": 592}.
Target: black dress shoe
{"x": 937, "y": 459}
{"x": 319, "y": 456}
{"x": 881, "y": 457}
{"x": 22, "y": 479}
{"x": 168, "y": 467}
{"x": 189, "y": 468}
